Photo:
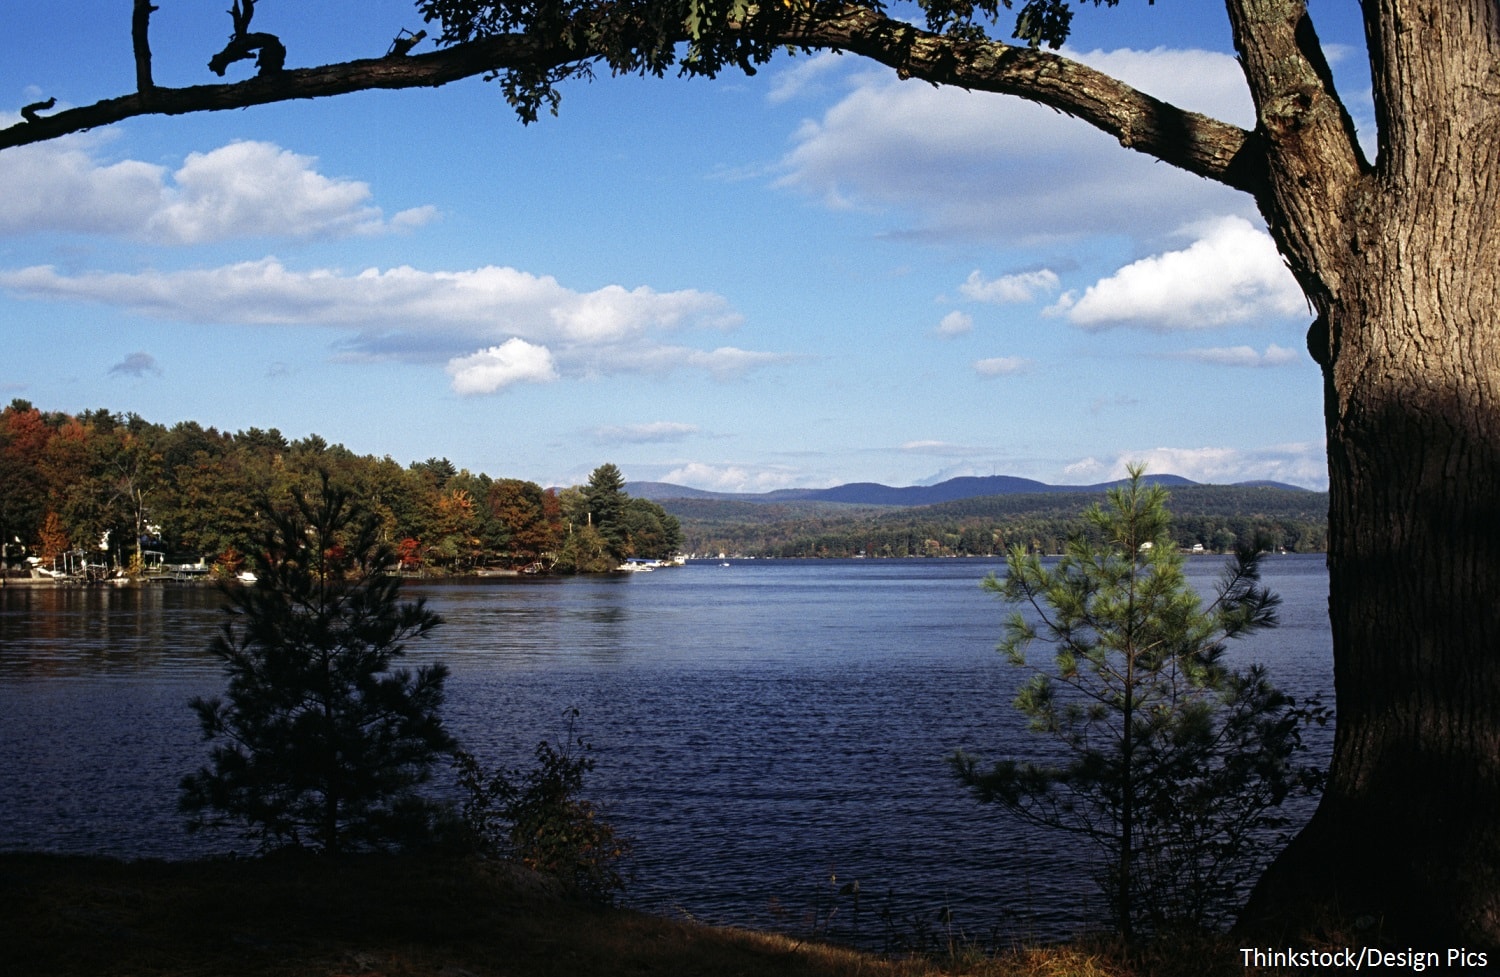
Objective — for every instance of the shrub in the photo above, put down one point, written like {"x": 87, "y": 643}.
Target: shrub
{"x": 537, "y": 817}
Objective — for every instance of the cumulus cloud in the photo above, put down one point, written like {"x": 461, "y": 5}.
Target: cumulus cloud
{"x": 1231, "y": 273}
{"x": 1304, "y": 464}
{"x": 1085, "y": 471}
{"x": 981, "y": 165}
{"x": 1245, "y": 356}
{"x": 1009, "y": 289}
{"x": 513, "y": 361}
{"x": 955, "y": 323}
{"x": 732, "y": 478}
{"x": 803, "y": 75}
{"x": 459, "y": 317}
{"x": 244, "y": 189}
{"x": 137, "y": 364}
{"x": 997, "y": 366}
{"x": 655, "y": 432}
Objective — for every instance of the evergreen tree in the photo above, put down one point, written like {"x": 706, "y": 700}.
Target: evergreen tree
{"x": 652, "y": 532}
{"x": 321, "y": 743}
{"x": 607, "y": 500}
{"x": 1170, "y": 763}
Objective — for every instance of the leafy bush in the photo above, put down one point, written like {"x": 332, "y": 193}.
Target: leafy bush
{"x": 537, "y": 817}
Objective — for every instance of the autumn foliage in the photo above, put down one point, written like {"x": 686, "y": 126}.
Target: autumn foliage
{"x": 104, "y": 486}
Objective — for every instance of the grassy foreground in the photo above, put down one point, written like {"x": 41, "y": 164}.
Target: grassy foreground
{"x": 405, "y": 917}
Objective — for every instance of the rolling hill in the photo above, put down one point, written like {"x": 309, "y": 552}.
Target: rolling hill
{"x": 873, "y": 493}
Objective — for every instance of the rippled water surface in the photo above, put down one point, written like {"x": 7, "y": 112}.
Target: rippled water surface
{"x": 767, "y": 732}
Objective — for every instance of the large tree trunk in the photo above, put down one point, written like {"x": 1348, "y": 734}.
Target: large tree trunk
{"x": 1407, "y": 837}
{"x": 1409, "y": 828}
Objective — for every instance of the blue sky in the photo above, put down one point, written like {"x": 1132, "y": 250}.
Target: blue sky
{"x": 817, "y": 275}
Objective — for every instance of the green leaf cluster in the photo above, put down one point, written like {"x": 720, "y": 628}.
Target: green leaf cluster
{"x": 697, "y": 37}
{"x": 539, "y": 818}
{"x": 1166, "y": 760}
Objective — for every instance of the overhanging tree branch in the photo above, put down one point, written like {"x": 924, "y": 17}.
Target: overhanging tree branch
{"x": 1196, "y": 143}
{"x": 429, "y": 70}
{"x": 1210, "y": 148}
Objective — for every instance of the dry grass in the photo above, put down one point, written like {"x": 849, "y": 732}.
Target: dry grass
{"x": 406, "y": 917}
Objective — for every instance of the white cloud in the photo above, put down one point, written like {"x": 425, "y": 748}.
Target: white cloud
{"x": 1007, "y": 289}
{"x": 803, "y": 75}
{"x": 723, "y": 363}
{"x": 981, "y": 165}
{"x": 1209, "y": 82}
{"x": 1243, "y": 356}
{"x": 732, "y": 478}
{"x": 955, "y": 323}
{"x": 407, "y": 314}
{"x": 1231, "y": 273}
{"x": 1001, "y": 366}
{"x": 513, "y": 361}
{"x": 656, "y": 432}
{"x": 1085, "y": 471}
{"x": 479, "y": 303}
{"x": 1304, "y": 464}
{"x": 62, "y": 187}
{"x": 244, "y": 189}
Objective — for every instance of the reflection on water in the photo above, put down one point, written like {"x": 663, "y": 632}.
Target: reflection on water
{"x": 760, "y": 729}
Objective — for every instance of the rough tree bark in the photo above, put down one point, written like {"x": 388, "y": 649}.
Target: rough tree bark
{"x": 1401, "y": 263}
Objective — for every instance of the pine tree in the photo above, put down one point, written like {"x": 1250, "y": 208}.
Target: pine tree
{"x": 320, "y": 742}
{"x": 1170, "y": 763}
{"x": 607, "y": 500}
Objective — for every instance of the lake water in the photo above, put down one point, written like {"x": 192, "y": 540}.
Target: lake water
{"x": 766, "y": 732}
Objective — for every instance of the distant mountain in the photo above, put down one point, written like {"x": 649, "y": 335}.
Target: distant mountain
{"x": 873, "y": 493}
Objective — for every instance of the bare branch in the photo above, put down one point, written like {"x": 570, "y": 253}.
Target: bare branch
{"x": 428, "y": 70}
{"x": 140, "y": 25}
{"x": 30, "y": 112}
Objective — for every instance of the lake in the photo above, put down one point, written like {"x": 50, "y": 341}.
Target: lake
{"x": 766, "y": 732}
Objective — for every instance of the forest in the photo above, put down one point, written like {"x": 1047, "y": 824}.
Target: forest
{"x": 1213, "y": 517}
{"x": 105, "y": 492}
{"x": 118, "y": 493}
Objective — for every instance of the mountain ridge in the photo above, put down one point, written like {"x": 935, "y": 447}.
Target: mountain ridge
{"x": 950, "y": 490}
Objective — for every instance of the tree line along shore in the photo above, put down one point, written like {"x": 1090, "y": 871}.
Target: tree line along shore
{"x": 114, "y": 493}
{"x": 108, "y": 493}
{"x": 1206, "y": 518}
